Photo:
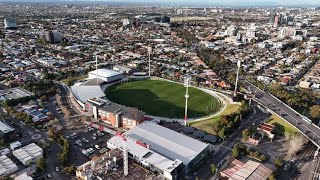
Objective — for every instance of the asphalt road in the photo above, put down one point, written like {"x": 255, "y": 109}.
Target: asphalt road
{"x": 308, "y": 129}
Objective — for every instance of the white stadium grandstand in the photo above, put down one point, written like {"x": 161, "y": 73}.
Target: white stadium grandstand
{"x": 95, "y": 85}
{"x": 106, "y": 75}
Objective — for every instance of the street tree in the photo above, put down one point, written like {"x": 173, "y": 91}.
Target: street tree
{"x": 235, "y": 152}
{"x": 296, "y": 142}
{"x": 246, "y": 134}
{"x": 222, "y": 133}
{"x": 213, "y": 168}
{"x": 278, "y": 162}
{"x": 41, "y": 163}
{"x": 315, "y": 111}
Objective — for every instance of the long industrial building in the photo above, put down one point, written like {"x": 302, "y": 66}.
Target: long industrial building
{"x": 28, "y": 154}
{"x": 7, "y": 166}
{"x": 7, "y": 133}
{"x": 161, "y": 149}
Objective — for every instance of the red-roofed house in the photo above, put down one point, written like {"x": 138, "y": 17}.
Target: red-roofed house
{"x": 250, "y": 170}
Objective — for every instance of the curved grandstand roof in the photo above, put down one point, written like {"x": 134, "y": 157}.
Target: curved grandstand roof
{"x": 86, "y": 90}
{"x": 105, "y": 72}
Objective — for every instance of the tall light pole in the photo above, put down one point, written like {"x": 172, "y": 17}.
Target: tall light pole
{"x": 186, "y": 84}
{"x": 149, "y": 52}
{"x": 237, "y": 78}
{"x": 97, "y": 69}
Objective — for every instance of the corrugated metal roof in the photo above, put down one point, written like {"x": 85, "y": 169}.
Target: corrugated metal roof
{"x": 141, "y": 152}
{"x": 167, "y": 142}
{"x": 252, "y": 171}
{"x": 28, "y": 152}
{"x": 7, "y": 166}
{"x": 5, "y": 128}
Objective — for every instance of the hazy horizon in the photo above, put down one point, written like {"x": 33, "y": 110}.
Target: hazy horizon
{"x": 240, "y": 3}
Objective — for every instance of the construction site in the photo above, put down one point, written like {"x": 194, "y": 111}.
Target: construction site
{"x": 111, "y": 166}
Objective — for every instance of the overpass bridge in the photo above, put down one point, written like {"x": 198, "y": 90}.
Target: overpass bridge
{"x": 273, "y": 104}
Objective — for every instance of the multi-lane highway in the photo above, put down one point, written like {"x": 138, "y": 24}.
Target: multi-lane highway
{"x": 310, "y": 130}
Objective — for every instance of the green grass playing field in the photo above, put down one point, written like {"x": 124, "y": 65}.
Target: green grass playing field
{"x": 162, "y": 98}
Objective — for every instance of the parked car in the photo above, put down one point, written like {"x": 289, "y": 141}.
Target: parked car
{"x": 97, "y": 146}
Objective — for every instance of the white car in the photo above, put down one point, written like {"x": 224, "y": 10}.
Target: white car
{"x": 90, "y": 150}
{"x": 97, "y": 146}
{"x": 57, "y": 169}
{"x": 86, "y": 152}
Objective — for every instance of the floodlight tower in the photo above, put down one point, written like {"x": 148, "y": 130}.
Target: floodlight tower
{"x": 149, "y": 52}
{"x": 186, "y": 84}
{"x": 124, "y": 153}
{"x": 125, "y": 159}
{"x": 237, "y": 78}
{"x": 97, "y": 70}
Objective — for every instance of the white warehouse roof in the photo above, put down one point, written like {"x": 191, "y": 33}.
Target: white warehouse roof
{"x": 7, "y": 166}
{"x": 104, "y": 73}
{"x": 28, "y": 153}
{"x": 5, "y": 128}
{"x": 142, "y": 153}
{"x": 167, "y": 142}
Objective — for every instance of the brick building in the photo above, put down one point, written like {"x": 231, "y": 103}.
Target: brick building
{"x": 114, "y": 114}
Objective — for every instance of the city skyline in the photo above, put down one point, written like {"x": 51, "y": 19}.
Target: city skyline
{"x": 222, "y": 3}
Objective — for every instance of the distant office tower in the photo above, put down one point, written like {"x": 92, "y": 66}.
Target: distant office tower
{"x": 271, "y": 17}
{"x": 180, "y": 11}
{"x": 288, "y": 20}
{"x": 239, "y": 36}
{"x": 281, "y": 19}
{"x": 282, "y": 33}
{"x": 53, "y": 36}
{"x": 126, "y": 22}
{"x": 10, "y": 23}
{"x": 276, "y": 21}
{"x": 231, "y": 31}
{"x": 287, "y": 31}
